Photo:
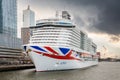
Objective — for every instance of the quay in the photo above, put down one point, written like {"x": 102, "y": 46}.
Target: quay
{"x": 16, "y": 67}
{"x": 13, "y": 59}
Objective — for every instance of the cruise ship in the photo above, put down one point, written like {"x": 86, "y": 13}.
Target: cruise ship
{"x": 58, "y": 44}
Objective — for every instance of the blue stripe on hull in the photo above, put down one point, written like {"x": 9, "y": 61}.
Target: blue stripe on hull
{"x": 38, "y": 48}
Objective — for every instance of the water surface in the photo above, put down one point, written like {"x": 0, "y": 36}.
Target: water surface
{"x": 104, "y": 71}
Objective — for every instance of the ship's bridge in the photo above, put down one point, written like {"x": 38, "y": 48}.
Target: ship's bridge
{"x": 54, "y": 21}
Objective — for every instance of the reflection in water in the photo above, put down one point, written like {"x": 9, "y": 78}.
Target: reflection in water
{"x": 104, "y": 71}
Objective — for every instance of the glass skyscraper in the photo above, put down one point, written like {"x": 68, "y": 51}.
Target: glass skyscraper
{"x": 8, "y": 24}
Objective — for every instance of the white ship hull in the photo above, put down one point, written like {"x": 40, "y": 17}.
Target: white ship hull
{"x": 51, "y": 58}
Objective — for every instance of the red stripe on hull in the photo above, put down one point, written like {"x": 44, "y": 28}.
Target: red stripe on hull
{"x": 69, "y": 54}
{"x": 51, "y": 50}
{"x": 57, "y": 56}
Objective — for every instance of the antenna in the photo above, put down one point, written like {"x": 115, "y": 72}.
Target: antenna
{"x": 28, "y": 2}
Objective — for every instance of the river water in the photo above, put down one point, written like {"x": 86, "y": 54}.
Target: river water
{"x": 104, "y": 71}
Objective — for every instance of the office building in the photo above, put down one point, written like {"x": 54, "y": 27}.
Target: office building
{"x": 8, "y": 24}
{"x": 25, "y": 35}
{"x": 28, "y": 17}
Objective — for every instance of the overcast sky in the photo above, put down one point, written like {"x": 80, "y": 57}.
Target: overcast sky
{"x": 99, "y": 18}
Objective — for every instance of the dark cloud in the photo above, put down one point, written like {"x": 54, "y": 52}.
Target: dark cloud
{"x": 107, "y": 11}
{"x": 78, "y": 20}
{"x": 108, "y": 16}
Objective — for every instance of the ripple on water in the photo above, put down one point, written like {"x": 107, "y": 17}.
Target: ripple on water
{"x": 104, "y": 71}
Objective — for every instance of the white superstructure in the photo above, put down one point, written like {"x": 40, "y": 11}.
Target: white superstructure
{"x": 61, "y": 32}
{"x": 58, "y": 44}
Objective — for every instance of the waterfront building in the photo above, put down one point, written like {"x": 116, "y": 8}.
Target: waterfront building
{"x": 99, "y": 54}
{"x": 25, "y": 35}
{"x": 28, "y": 17}
{"x": 8, "y": 24}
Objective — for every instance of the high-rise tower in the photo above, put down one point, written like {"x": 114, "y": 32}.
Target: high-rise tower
{"x": 8, "y": 17}
{"x": 28, "y": 17}
{"x": 8, "y": 24}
